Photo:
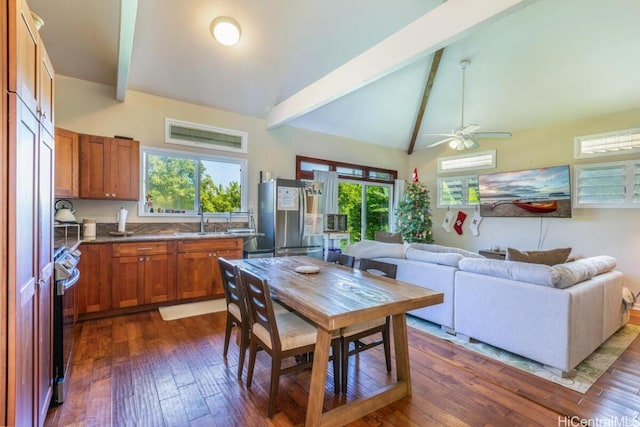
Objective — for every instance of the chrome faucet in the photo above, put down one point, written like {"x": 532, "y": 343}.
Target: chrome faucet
{"x": 201, "y": 213}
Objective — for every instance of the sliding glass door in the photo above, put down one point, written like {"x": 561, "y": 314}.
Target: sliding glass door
{"x": 367, "y": 206}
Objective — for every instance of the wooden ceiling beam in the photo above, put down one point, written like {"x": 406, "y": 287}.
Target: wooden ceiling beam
{"x": 425, "y": 97}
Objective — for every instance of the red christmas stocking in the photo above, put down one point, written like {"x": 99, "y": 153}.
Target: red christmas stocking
{"x": 459, "y": 221}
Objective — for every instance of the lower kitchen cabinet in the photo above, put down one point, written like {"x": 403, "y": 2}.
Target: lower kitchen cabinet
{"x": 198, "y": 271}
{"x": 127, "y": 275}
{"x": 93, "y": 290}
{"x": 142, "y": 273}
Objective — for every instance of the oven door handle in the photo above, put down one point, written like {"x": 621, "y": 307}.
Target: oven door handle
{"x": 63, "y": 285}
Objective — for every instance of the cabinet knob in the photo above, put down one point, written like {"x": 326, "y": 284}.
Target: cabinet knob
{"x": 148, "y": 259}
{"x": 113, "y": 195}
{"x": 141, "y": 258}
{"x": 106, "y": 194}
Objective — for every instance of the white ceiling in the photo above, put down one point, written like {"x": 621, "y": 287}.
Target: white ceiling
{"x": 542, "y": 62}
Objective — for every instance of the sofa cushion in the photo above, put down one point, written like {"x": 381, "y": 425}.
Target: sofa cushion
{"x": 537, "y": 274}
{"x": 388, "y": 237}
{"x": 373, "y": 249}
{"x": 549, "y": 257}
{"x": 439, "y": 248}
{"x": 442, "y": 258}
{"x": 583, "y": 269}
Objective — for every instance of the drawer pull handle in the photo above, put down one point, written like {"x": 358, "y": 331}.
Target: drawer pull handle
{"x": 144, "y": 249}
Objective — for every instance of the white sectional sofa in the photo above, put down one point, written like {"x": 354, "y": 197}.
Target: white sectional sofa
{"x": 556, "y": 315}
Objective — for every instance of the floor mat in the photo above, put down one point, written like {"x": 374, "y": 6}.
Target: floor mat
{"x": 180, "y": 311}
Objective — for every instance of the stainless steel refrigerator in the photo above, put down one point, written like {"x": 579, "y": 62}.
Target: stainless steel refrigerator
{"x": 290, "y": 214}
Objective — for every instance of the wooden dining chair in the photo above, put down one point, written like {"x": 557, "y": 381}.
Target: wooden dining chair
{"x": 280, "y": 335}
{"x": 237, "y": 310}
{"x": 237, "y": 313}
{"x": 355, "y": 333}
{"x": 342, "y": 259}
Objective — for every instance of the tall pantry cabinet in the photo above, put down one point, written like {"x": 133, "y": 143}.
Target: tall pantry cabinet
{"x": 27, "y": 179}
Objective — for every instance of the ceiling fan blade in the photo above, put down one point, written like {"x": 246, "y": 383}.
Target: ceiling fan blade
{"x": 490, "y": 135}
{"x": 439, "y": 134}
{"x": 470, "y": 128}
{"x": 442, "y": 141}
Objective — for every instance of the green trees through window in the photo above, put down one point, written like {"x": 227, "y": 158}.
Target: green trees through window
{"x": 364, "y": 204}
{"x": 177, "y": 183}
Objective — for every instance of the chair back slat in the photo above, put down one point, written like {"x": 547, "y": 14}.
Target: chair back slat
{"x": 233, "y": 292}
{"x": 385, "y": 269}
{"x": 342, "y": 259}
{"x": 259, "y": 304}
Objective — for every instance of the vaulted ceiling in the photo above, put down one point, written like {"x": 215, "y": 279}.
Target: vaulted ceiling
{"x": 358, "y": 68}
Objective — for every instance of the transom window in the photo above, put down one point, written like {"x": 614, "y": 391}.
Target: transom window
{"x": 306, "y": 165}
{"x": 620, "y": 142}
{"x": 175, "y": 183}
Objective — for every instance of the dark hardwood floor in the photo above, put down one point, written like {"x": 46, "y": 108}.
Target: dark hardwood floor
{"x": 140, "y": 370}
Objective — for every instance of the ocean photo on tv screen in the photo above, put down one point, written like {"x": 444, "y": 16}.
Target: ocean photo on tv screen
{"x": 541, "y": 192}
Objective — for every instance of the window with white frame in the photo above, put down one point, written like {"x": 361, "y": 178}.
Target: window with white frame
{"x": 176, "y": 183}
{"x": 458, "y": 191}
{"x": 618, "y": 143}
{"x": 607, "y": 185}
{"x": 479, "y": 160}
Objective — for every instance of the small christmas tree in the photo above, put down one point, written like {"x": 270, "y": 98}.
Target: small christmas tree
{"x": 414, "y": 213}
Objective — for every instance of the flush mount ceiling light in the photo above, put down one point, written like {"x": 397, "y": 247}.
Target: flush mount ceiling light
{"x": 225, "y": 30}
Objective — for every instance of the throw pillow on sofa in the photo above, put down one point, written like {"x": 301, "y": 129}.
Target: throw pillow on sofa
{"x": 388, "y": 237}
{"x": 549, "y": 257}
{"x": 537, "y": 274}
{"x": 583, "y": 269}
{"x": 372, "y": 249}
{"x": 449, "y": 249}
{"x": 442, "y": 258}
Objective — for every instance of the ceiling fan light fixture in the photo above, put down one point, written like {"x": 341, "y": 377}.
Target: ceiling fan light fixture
{"x": 470, "y": 144}
{"x": 225, "y": 30}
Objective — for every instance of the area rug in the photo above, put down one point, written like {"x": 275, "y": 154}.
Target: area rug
{"x": 587, "y": 372}
{"x": 180, "y": 311}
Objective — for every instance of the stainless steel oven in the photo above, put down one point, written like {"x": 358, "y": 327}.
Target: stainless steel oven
{"x": 65, "y": 327}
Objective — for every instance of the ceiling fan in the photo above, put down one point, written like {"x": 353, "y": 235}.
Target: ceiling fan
{"x": 464, "y": 137}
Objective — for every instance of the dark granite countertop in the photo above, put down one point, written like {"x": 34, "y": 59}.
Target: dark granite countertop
{"x": 145, "y": 232}
{"x": 173, "y": 236}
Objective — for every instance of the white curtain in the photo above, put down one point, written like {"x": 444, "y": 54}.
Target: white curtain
{"x": 330, "y": 181}
{"x": 398, "y": 191}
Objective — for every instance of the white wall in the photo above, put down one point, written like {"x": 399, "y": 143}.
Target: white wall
{"x": 91, "y": 108}
{"x": 614, "y": 232}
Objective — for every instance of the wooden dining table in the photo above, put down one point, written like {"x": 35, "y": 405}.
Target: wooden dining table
{"x": 335, "y": 297}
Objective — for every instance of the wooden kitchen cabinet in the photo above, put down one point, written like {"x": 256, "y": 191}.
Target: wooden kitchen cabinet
{"x": 27, "y": 177}
{"x": 93, "y": 290}
{"x": 67, "y": 179}
{"x": 142, "y": 273}
{"x": 109, "y": 168}
{"x": 198, "y": 270}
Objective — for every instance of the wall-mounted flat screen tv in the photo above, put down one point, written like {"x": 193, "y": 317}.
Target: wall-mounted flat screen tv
{"x": 541, "y": 192}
